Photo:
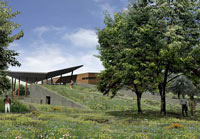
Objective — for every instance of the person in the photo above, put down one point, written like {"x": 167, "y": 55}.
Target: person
{"x": 71, "y": 84}
{"x": 7, "y": 102}
{"x": 192, "y": 105}
{"x": 183, "y": 103}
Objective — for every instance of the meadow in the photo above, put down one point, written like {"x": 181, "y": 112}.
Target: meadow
{"x": 104, "y": 118}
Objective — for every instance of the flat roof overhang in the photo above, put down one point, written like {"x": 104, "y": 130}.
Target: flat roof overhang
{"x": 32, "y": 77}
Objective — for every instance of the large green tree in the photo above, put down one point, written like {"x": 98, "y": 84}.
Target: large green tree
{"x": 179, "y": 41}
{"x": 147, "y": 43}
{"x": 7, "y": 57}
{"x": 124, "y": 53}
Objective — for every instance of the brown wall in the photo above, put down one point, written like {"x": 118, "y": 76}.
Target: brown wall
{"x": 87, "y": 78}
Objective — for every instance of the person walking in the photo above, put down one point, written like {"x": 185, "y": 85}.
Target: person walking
{"x": 192, "y": 105}
{"x": 7, "y": 102}
{"x": 183, "y": 103}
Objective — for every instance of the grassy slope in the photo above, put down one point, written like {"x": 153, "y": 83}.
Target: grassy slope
{"x": 108, "y": 118}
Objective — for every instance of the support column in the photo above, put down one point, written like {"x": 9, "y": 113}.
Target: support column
{"x": 51, "y": 81}
{"x": 12, "y": 88}
{"x": 36, "y": 82}
{"x": 60, "y": 78}
{"x": 71, "y": 75}
{"x": 42, "y": 82}
{"x": 26, "y": 88}
{"x": 18, "y": 88}
{"x": 47, "y": 80}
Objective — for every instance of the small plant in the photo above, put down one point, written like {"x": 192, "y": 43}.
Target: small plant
{"x": 175, "y": 125}
{"x": 35, "y": 112}
{"x": 141, "y": 136}
{"x": 57, "y": 109}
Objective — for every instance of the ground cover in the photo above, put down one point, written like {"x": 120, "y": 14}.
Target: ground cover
{"x": 16, "y": 106}
{"x": 119, "y": 120}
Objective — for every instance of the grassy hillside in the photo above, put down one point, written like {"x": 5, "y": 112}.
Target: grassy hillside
{"x": 105, "y": 118}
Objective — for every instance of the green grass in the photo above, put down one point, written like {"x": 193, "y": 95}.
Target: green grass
{"x": 105, "y": 118}
{"x": 93, "y": 99}
{"x": 16, "y": 106}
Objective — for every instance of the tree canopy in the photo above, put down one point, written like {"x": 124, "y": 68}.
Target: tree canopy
{"x": 141, "y": 47}
{"x": 7, "y": 56}
{"x": 182, "y": 86}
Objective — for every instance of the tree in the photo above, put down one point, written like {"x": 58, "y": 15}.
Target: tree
{"x": 6, "y": 37}
{"x": 121, "y": 52}
{"x": 149, "y": 42}
{"x": 182, "y": 86}
{"x": 179, "y": 40}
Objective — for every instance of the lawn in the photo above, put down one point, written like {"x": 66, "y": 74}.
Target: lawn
{"x": 105, "y": 118}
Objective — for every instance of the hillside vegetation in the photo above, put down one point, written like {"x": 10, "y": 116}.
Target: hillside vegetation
{"x": 105, "y": 118}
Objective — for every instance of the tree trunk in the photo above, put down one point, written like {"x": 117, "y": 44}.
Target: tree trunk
{"x": 179, "y": 93}
{"x": 162, "y": 89}
{"x": 163, "y": 105}
{"x": 162, "y": 98}
{"x": 139, "y": 95}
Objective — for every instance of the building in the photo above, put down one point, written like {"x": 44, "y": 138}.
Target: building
{"x": 41, "y": 95}
{"x": 86, "y": 78}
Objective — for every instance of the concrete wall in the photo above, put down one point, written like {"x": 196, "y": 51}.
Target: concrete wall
{"x": 38, "y": 95}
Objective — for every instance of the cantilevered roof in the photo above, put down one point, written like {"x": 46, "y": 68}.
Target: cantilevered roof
{"x": 32, "y": 77}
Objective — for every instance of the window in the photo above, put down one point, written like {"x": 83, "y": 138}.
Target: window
{"x": 48, "y": 100}
{"x": 88, "y": 78}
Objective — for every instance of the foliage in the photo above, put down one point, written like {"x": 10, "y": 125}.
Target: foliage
{"x": 141, "y": 47}
{"x": 22, "y": 90}
{"x": 179, "y": 19}
{"x": 16, "y": 106}
{"x": 8, "y": 57}
{"x": 45, "y": 122}
{"x": 182, "y": 85}
{"x": 175, "y": 125}
{"x": 123, "y": 54}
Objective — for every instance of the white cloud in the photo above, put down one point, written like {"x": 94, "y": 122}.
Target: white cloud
{"x": 42, "y": 55}
{"x": 103, "y": 7}
{"x": 15, "y": 46}
{"x": 106, "y": 7}
{"x": 82, "y": 38}
{"x": 44, "y": 59}
{"x": 91, "y": 63}
{"x": 39, "y": 31}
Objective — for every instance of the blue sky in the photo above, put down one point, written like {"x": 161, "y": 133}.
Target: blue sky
{"x": 60, "y": 33}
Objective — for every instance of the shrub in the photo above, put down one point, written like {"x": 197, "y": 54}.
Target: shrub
{"x": 22, "y": 91}
{"x": 16, "y": 106}
{"x": 175, "y": 125}
{"x": 36, "y": 113}
{"x": 57, "y": 108}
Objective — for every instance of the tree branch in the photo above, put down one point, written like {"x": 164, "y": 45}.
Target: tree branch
{"x": 174, "y": 78}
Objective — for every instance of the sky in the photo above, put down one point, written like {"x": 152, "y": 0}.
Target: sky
{"x": 60, "y": 33}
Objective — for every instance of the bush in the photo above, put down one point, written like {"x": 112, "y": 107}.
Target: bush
{"x": 22, "y": 91}
{"x": 16, "y": 106}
